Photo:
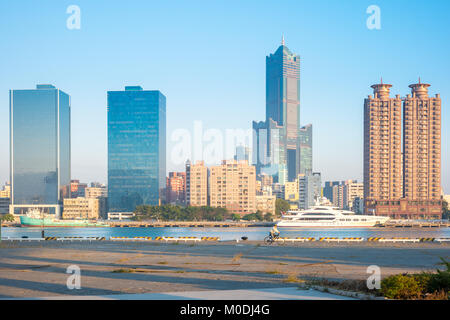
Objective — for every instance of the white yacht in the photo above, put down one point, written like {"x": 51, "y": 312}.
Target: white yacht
{"x": 321, "y": 216}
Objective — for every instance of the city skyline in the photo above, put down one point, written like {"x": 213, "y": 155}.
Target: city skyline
{"x": 337, "y": 120}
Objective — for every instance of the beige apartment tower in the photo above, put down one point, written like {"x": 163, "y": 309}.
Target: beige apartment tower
{"x": 232, "y": 185}
{"x": 196, "y": 184}
{"x": 422, "y": 153}
{"x": 382, "y": 150}
{"x": 402, "y": 184}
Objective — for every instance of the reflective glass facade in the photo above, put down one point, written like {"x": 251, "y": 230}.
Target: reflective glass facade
{"x": 136, "y": 148}
{"x": 283, "y": 109}
{"x": 305, "y": 137}
{"x": 39, "y": 148}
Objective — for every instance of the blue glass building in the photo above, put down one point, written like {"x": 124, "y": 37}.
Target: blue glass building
{"x": 136, "y": 148}
{"x": 39, "y": 149}
{"x": 283, "y": 109}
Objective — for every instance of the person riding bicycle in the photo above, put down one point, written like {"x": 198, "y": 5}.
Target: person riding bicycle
{"x": 274, "y": 232}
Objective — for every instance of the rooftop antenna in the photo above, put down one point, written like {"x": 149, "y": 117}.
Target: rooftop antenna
{"x": 381, "y": 80}
{"x": 282, "y": 39}
{"x": 419, "y": 80}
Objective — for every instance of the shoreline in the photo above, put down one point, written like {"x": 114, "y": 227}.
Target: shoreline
{"x": 38, "y": 269}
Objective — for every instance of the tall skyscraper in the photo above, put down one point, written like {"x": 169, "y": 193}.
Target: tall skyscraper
{"x": 136, "y": 148}
{"x": 283, "y": 102}
{"x": 282, "y": 114}
{"x": 402, "y": 185}
{"x": 39, "y": 149}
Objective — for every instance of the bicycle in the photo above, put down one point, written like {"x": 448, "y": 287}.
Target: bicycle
{"x": 271, "y": 239}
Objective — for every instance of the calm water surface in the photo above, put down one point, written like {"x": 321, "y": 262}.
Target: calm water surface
{"x": 253, "y": 233}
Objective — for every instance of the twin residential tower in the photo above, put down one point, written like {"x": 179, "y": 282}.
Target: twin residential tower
{"x": 402, "y": 153}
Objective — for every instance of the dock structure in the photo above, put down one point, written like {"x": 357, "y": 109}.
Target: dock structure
{"x": 187, "y": 224}
{"x": 416, "y": 224}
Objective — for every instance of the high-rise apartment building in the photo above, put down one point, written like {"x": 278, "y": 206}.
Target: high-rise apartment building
{"x": 176, "y": 188}
{"x": 328, "y": 189}
{"x": 352, "y": 190}
{"x": 196, "y": 184}
{"x": 310, "y": 189}
{"x": 136, "y": 148}
{"x": 402, "y": 184}
{"x": 421, "y": 152}
{"x": 39, "y": 149}
{"x": 232, "y": 185}
{"x": 338, "y": 196}
{"x": 382, "y": 149}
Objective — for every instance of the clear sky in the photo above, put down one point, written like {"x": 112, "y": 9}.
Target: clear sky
{"x": 208, "y": 59}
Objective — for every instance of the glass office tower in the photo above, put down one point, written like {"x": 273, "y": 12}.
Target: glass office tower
{"x": 283, "y": 101}
{"x": 39, "y": 149}
{"x": 136, "y": 148}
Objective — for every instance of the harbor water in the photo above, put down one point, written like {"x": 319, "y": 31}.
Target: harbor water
{"x": 252, "y": 233}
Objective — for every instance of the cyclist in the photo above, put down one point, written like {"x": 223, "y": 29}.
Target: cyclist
{"x": 274, "y": 233}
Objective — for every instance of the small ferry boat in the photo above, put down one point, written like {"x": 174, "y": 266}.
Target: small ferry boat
{"x": 35, "y": 218}
{"x": 321, "y": 216}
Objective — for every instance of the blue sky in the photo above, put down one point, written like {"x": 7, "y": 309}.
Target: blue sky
{"x": 208, "y": 58}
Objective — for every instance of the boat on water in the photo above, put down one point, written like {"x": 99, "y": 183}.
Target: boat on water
{"x": 322, "y": 216}
{"x": 35, "y": 218}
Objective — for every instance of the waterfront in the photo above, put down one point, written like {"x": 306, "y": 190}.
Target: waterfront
{"x": 32, "y": 269}
{"x": 253, "y": 233}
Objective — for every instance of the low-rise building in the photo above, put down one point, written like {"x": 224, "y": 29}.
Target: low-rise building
{"x": 4, "y": 205}
{"x": 84, "y": 208}
{"x": 96, "y": 192}
{"x": 291, "y": 193}
{"x": 6, "y": 191}
{"x": 77, "y": 189}
{"x": 265, "y": 203}
{"x": 120, "y": 215}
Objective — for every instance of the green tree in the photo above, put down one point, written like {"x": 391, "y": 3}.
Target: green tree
{"x": 170, "y": 212}
{"x": 281, "y": 206}
{"x": 268, "y": 217}
{"x": 445, "y": 210}
{"x": 7, "y": 217}
{"x": 235, "y": 217}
